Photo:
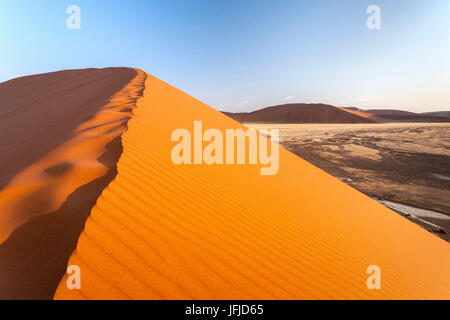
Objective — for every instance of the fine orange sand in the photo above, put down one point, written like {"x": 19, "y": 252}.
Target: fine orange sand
{"x": 358, "y": 112}
{"x": 162, "y": 231}
{"x": 59, "y": 142}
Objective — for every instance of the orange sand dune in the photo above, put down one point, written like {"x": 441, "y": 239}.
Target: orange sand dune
{"x": 166, "y": 231}
{"x": 59, "y": 142}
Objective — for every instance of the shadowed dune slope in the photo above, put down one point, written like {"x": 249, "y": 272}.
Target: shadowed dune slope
{"x": 60, "y": 142}
{"x": 300, "y": 113}
{"x": 166, "y": 231}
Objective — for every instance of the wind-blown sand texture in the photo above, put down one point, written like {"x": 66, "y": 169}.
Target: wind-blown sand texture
{"x": 407, "y": 163}
{"x": 166, "y": 231}
{"x": 59, "y": 141}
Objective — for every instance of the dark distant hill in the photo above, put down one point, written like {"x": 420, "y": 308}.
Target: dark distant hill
{"x": 387, "y": 115}
{"x": 437, "y": 114}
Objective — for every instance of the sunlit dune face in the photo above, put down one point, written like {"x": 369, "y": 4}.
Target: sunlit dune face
{"x": 358, "y": 113}
{"x": 162, "y": 230}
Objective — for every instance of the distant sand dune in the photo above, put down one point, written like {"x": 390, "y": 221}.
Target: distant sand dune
{"x": 60, "y": 141}
{"x": 293, "y": 113}
{"x": 162, "y": 231}
{"x": 301, "y": 113}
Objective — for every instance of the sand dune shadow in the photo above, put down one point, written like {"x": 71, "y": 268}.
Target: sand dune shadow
{"x": 34, "y": 258}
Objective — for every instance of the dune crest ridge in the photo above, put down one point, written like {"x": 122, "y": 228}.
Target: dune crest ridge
{"x": 60, "y": 143}
{"x": 166, "y": 231}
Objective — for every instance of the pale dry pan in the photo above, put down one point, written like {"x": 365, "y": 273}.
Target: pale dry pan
{"x": 60, "y": 142}
{"x": 162, "y": 231}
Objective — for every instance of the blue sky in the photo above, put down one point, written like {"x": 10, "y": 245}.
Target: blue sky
{"x": 245, "y": 54}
